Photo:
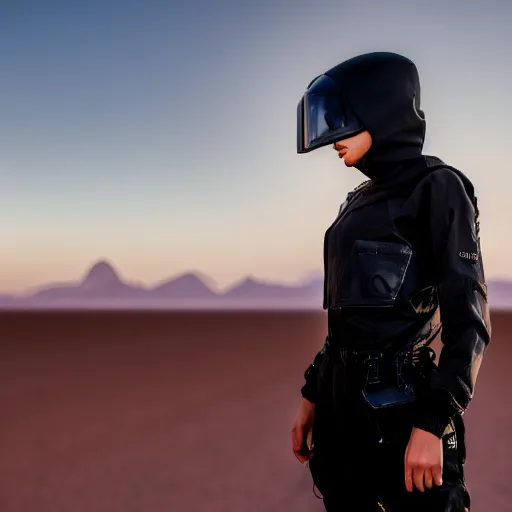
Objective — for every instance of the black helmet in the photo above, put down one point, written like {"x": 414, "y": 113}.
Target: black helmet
{"x": 378, "y": 92}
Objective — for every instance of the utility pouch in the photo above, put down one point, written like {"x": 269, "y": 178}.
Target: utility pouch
{"x": 388, "y": 396}
{"x": 387, "y": 385}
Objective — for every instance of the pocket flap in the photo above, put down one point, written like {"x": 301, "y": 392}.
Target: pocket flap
{"x": 374, "y": 274}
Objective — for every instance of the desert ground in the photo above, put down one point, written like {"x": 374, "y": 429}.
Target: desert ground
{"x": 154, "y": 412}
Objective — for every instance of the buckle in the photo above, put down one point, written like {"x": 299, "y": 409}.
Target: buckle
{"x": 372, "y": 361}
{"x": 373, "y": 374}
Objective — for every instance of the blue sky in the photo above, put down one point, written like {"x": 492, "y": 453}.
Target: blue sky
{"x": 161, "y": 135}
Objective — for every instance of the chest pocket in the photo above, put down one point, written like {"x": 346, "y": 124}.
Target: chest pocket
{"x": 373, "y": 274}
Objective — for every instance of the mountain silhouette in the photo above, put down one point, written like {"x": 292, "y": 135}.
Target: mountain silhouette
{"x": 103, "y": 281}
{"x": 187, "y": 286}
{"x": 252, "y": 289}
{"x": 100, "y": 282}
{"x": 100, "y": 273}
{"x": 6, "y": 300}
{"x": 103, "y": 287}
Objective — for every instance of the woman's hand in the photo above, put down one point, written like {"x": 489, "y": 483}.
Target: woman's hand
{"x": 302, "y": 431}
{"x": 423, "y": 460}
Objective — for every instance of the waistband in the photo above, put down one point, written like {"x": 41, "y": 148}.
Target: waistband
{"x": 417, "y": 347}
{"x": 379, "y": 366}
{"x": 349, "y": 356}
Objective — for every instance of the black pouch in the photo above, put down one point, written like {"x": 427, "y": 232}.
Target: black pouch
{"x": 388, "y": 401}
{"x": 388, "y": 396}
{"x": 396, "y": 390}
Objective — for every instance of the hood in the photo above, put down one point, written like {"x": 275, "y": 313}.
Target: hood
{"x": 383, "y": 91}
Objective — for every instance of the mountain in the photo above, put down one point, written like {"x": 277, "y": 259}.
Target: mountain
{"x": 101, "y": 282}
{"x": 252, "y": 289}
{"x": 102, "y": 287}
{"x": 259, "y": 292}
{"x": 6, "y": 300}
{"x": 187, "y": 286}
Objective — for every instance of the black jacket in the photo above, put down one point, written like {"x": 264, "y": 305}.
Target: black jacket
{"x": 405, "y": 245}
{"x": 391, "y": 264}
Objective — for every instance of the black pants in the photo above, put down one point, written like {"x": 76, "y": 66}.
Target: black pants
{"x": 354, "y": 472}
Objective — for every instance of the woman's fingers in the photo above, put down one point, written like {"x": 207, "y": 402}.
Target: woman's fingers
{"x": 302, "y": 431}
{"x": 422, "y": 477}
{"x": 418, "y": 475}
{"x": 298, "y": 442}
{"x": 437, "y": 474}
{"x": 310, "y": 439}
{"x": 408, "y": 478}
{"x": 301, "y": 450}
{"x": 428, "y": 478}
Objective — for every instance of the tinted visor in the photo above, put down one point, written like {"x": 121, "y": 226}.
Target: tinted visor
{"x": 323, "y": 116}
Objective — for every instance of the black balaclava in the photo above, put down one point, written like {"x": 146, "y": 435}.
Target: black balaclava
{"x": 383, "y": 91}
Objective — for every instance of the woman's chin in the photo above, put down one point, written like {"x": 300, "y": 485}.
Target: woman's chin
{"x": 349, "y": 162}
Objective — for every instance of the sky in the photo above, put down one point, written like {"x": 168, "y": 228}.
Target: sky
{"x": 160, "y": 135}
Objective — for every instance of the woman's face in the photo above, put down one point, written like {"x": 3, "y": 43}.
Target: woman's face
{"x": 351, "y": 150}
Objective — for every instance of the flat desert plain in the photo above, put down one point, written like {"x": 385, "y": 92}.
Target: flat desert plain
{"x": 160, "y": 411}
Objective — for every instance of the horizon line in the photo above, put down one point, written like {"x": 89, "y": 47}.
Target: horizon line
{"x": 206, "y": 279}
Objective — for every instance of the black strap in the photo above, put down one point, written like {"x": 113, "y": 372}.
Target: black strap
{"x": 460, "y": 432}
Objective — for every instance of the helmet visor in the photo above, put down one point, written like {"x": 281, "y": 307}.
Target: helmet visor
{"x": 323, "y": 116}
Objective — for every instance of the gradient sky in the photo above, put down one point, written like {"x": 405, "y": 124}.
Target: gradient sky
{"x": 161, "y": 135}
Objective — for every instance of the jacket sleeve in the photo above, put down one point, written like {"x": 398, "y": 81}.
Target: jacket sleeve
{"x": 458, "y": 267}
{"x": 309, "y": 389}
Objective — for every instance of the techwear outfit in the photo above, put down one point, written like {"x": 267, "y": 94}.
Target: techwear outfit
{"x": 401, "y": 260}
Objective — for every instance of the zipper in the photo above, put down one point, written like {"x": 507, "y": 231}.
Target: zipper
{"x": 342, "y": 213}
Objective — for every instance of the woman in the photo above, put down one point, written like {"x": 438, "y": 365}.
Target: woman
{"x": 380, "y": 422}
